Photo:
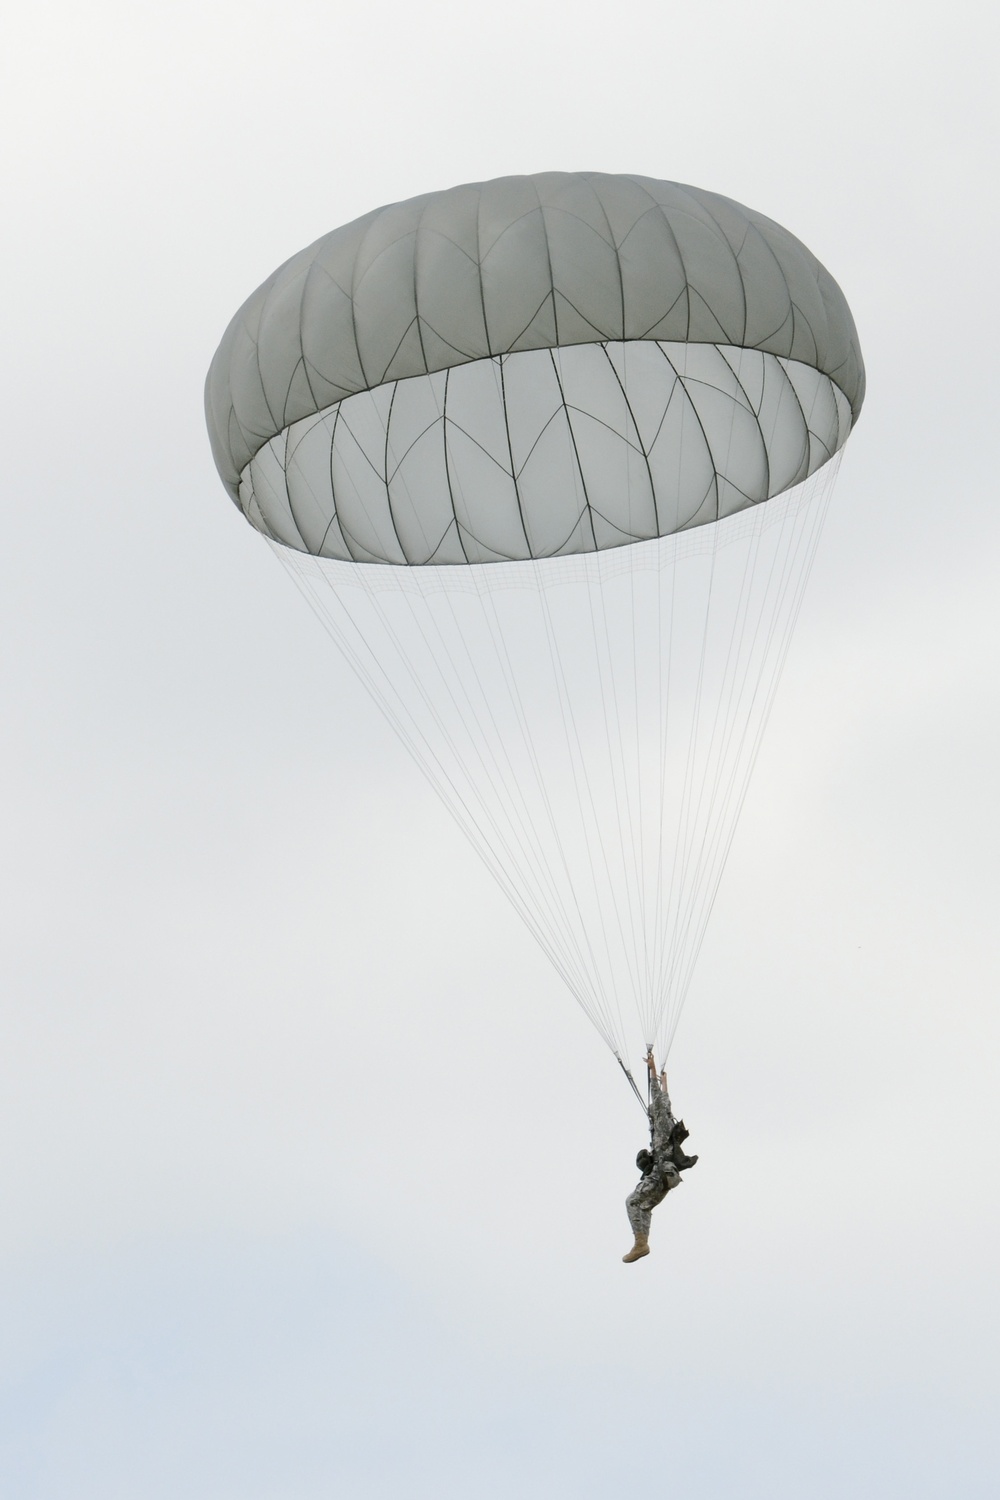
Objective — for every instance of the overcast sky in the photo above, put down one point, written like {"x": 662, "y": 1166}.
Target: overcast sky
{"x": 311, "y": 1175}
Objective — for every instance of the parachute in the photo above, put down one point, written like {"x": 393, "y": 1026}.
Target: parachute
{"x": 550, "y": 456}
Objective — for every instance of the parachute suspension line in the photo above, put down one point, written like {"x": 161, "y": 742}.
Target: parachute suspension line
{"x": 510, "y": 679}
{"x": 646, "y": 988}
{"x": 591, "y": 824}
{"x": 494, "y": 746}
{"x": 807, "y": 544}
{"x": 550, "y": 934}
{"x": 682, "y": 849}
{"x": 635, "y": 1087}
{"x": 792, "y": 581}
{"x": 618, "y": 781}
{"x": 476, "y": 742}
{"x": 633, "y": 891}
{"x": 585, "y": 992}
{"x": 691, "y": 930}
{"x": 663, "y": 728}
{"x": 377, "y": 684}
{"x": 692, "y": 854}
{"x": 792, "y": 578}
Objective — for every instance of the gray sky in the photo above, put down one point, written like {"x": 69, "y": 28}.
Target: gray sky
{"x": 311, "y": 1174}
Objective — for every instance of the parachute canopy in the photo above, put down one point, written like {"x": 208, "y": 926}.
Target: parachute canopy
{"x": 531, "y": 367}
{"x": 591, "y": 423}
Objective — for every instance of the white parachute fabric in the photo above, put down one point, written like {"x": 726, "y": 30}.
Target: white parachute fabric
{"x": 592, "y": 721}
{"x": 545, "y": 453}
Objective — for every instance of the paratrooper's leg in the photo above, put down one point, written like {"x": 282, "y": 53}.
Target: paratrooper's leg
{"x": 640, "y": 1215}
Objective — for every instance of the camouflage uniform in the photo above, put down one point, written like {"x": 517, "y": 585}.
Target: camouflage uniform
{"x": 654, "y": 1184}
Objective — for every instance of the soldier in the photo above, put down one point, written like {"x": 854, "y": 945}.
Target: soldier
{"x": 661, "y": 1167}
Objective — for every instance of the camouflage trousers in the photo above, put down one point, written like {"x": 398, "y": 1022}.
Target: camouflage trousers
{"x": 648, "y": 1192}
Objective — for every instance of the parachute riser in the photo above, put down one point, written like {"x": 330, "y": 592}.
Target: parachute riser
{"x": 644, "y": 1106}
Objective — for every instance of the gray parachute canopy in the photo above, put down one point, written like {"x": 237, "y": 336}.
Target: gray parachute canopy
{"x": 627, "y": 398}
{"x": 531, "y": 367}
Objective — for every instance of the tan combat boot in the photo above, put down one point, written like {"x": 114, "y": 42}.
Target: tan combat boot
{"x": 638, "y": 1250}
